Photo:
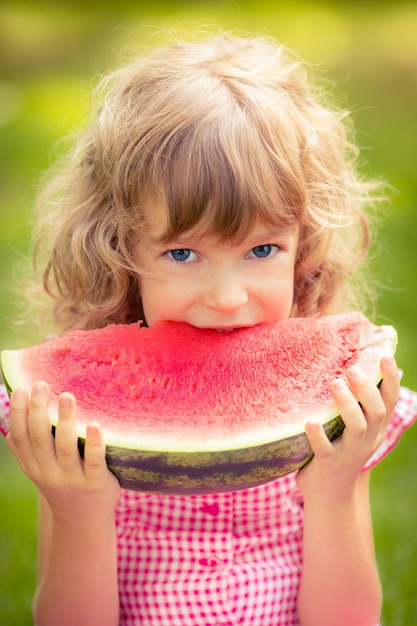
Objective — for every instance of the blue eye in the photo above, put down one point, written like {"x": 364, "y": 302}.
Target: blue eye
{"x": 181, "y": 254}
{"x": 262, "y": 251}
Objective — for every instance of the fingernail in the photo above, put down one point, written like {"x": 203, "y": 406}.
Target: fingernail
{"x": 390, "y": 361}
{"x": 354, "y": 371}
{"x": 339, "y": 384}
{"x": 38, "y": 389}
{"x": 18, "y": 394}
{"x": 65, "y": 401}
{"x": 93, "y": 429}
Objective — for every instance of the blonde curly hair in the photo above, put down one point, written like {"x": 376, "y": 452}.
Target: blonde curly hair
{"x": 227, "y": 129}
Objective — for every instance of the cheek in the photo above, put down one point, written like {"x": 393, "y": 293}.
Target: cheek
{"x": 282, "y": 300}
{"x": 152, "y": 311}
{"x": 158, "y": 300}
{"x": 284, "y": 308}
{"x": 147, "y": 296}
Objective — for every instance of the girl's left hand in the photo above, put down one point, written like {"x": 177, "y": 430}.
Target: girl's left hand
{"x": 336, "y": 466}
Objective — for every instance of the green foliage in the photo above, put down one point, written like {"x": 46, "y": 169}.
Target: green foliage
{"x": 48, "y": 53}
{"x": 18, "y": 532}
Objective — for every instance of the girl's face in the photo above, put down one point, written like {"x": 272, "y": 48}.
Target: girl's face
{"x": 220, "y": 285}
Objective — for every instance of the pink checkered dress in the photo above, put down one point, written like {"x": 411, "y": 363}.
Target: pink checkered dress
{"x": 227, "y": 559}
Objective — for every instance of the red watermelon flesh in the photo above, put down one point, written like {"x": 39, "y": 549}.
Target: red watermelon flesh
{"x": 189, "y": 385}
{"x": 173, "y": 388}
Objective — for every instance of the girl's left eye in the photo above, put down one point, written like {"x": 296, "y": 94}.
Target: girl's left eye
{"x": 263, "y": 251}
{"x": 181, "y": 255}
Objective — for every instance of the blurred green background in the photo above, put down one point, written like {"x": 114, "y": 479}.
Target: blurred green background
{"x": 49, "y": 54}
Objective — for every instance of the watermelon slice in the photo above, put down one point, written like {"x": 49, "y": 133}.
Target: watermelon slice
{"x": 187, "y": 410}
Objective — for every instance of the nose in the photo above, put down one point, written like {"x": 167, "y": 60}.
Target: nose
{"x": 225, "y": 290}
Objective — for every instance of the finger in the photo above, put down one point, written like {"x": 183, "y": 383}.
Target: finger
{"x": 370, "y": 399}
{"x": 25, "y": 418}
{"x": 39, "y": 424}
{"x": 94, "y": 452}
{"x": 320, "y": 444}
{"x": 351, "y": 412}
{"x": 390, "y": 385}
{"x": 19, "y": 404}
{"x": 66, "y": 438}
{"x": 18, "y": 437}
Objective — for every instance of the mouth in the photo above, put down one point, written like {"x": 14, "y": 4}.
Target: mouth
{"x": 230, "y": 329}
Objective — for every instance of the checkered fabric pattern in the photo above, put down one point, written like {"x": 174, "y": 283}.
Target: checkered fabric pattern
{"x": 226, "y": 559}
{"x": 4, "y": 410}
{"x": 230, "y": 559}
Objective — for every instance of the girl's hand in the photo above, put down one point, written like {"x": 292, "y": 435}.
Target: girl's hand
{"x": 77, "y": 490}
{"x": 336, "y": 466}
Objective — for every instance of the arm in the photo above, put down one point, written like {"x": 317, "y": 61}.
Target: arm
{"x": 77, "y": 576}
{"x": 77, "y": 582}
{"x": 340, "y": 583}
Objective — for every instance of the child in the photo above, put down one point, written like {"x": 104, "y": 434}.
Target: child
{"x": 214, "y": 188}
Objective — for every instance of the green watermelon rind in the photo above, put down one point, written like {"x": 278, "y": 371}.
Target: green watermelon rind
{"x": 211, "y": 472}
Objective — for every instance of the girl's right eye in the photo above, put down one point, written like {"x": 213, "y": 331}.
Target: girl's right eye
{"x": 181, "y": 255}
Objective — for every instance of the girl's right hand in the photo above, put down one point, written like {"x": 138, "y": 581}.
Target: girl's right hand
{"x": 78, "y": 490}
